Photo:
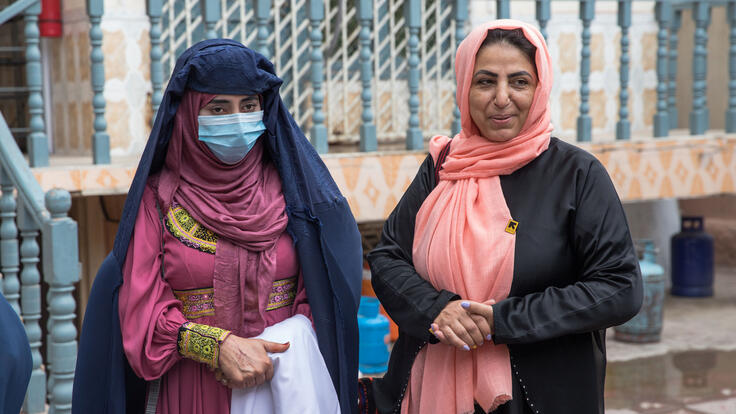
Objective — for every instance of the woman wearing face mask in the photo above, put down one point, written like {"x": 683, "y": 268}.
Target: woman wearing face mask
{"x": 508, "y": 256}
{"x": 224, "y": 278}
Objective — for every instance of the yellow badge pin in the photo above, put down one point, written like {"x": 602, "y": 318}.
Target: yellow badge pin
{"x": 512, "y": 226}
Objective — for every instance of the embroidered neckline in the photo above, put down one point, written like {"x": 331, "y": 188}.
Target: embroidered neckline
{"x": 189, "y": 231}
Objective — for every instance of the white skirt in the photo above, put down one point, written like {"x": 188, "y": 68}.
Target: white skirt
{"x": 300, "y": 383}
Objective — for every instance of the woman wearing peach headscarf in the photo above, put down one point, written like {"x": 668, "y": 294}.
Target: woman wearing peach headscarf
{"x": 509, "y": 254}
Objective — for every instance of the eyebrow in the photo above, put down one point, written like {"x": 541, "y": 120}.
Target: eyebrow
{"x": 495, "y": 75}
{"x": 218, "y": 101}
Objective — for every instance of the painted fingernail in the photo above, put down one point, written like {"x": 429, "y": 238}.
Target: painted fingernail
{"x": 431, "y": 331}
{"x": 465, "y": 347}
{"x": 465, "y": 304}
{"x": 475, "y": 346}
{"x": 488, "y": 337}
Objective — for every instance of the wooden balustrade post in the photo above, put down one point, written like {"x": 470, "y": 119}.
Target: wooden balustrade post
{"x": 543, "y": 16}
{"x": 699, "y": 117}
{"x": 319, "y": 130}
{"x": 30, "y": 300}
{"x": 38, "y": 146}
{"x": 155, "y": 10}
{"x": 413, "y": 11}
{"x": 263, "y": 13}
{"x": 731, "y": 111}
{"x": 368, "y": 140}
{"x": 585, "y": 122}
{"x": 100, "y": 139}
{"x": 663, "y": 12}
{"x": 61, "y": 270}
{"x": 503, "y": 9}
{"x": 461, "y": 16}
{"x": 623, "y": 126}
{"x": 9, "y": 260}
{"x": 211, "y": 13}
{"x": 672, "y": 69}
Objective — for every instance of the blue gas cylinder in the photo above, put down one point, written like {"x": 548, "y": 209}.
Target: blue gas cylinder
{"x": 692, "y": 259}
{"x": 646, "y": 326}
{"x": 373, "y": 328}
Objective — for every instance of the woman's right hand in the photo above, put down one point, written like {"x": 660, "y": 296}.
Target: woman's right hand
{"x": 245, "y": 362}
{"x": 456, "y": 326}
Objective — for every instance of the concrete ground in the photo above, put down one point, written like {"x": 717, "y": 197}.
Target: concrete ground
{"x": 691, "y": 370}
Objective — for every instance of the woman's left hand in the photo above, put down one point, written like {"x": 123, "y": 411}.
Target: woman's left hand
{"x": 480, "y": 313}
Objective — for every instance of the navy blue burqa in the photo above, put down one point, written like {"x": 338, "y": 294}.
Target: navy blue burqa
{"x": 15, "y": 359}
{"x": 320, "y": 222}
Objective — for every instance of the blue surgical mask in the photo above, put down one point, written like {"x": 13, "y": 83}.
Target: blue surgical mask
{"x": 230, "y": 137}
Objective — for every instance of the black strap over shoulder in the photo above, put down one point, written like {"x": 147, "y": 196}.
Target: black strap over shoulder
{"x": 440, "y": 160}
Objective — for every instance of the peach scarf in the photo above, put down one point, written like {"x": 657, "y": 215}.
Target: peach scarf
{"x": 460, "y": 242}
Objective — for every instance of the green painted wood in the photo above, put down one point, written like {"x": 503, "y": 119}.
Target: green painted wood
{"x": 584, "y": 121}
{"x": 38, "y": 145}
{"x": 211, "y": 14}
{"x": 100, "y": 139}
{"x": 699, "y": 116}
{"x": 30, "y": 303}
{"x": 543, "y": 15}
{"x": 155, "y": 8}
{"x": 263, "y": 13}
{"x": 368, "y": 140}
{"x": 663, "y": 13}
{"x": 672, "y": 68}
{"x": 18, "y": 172}
{"x": 503, "y": 9}
{"x": 318, "y": 132}
{"x": 623, "y": 126}
{"x": 15, "y": 9}
{"x": 461, "y": 18}
{"x": 9, "y": 260}
{"x": 731, "y": 111}
{"x": 413, "y": 12}
{"x": 61, "y": 270}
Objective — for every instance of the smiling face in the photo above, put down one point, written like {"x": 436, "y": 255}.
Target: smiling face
{"x": 231, "y": 104}
{"x": 501, "y": 91}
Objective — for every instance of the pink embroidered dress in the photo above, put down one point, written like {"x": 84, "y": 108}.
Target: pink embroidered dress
{"x": 243, "y": 282}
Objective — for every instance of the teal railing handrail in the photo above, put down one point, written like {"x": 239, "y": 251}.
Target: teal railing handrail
{"x": 15, "y": 9}
{"x": 45, "y": 215}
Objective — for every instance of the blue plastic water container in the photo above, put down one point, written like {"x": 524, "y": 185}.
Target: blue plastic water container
{"x": 646, "y": 326}
{"x": 373, "y": 328}
{"x": 692, "y": 259}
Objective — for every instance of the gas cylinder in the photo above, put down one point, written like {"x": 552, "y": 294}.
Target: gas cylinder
{"x": 373, "y": 329}
{"x": 646, "y": 326}
{"x": 692, "y": 259}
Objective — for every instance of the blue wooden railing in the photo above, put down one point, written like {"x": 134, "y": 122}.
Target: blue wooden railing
{"x": 668, "y": 14}
{"x": 26, "y": 210}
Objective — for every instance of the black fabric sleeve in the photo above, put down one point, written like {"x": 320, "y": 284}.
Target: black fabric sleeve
{"x": 607, "y": 289}
{"x": 411, "y": 301}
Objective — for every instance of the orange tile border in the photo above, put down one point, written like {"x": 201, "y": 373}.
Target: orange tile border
{"x": 373, "y": 182}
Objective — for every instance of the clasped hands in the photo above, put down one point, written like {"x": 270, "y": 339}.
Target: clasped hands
{"x": 245, "y": 363}
{"x": 464, "y": 324}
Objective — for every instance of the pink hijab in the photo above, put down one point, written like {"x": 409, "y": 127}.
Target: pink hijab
{"x": 242, "y": 203}
{"x": 460, "y": 242}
